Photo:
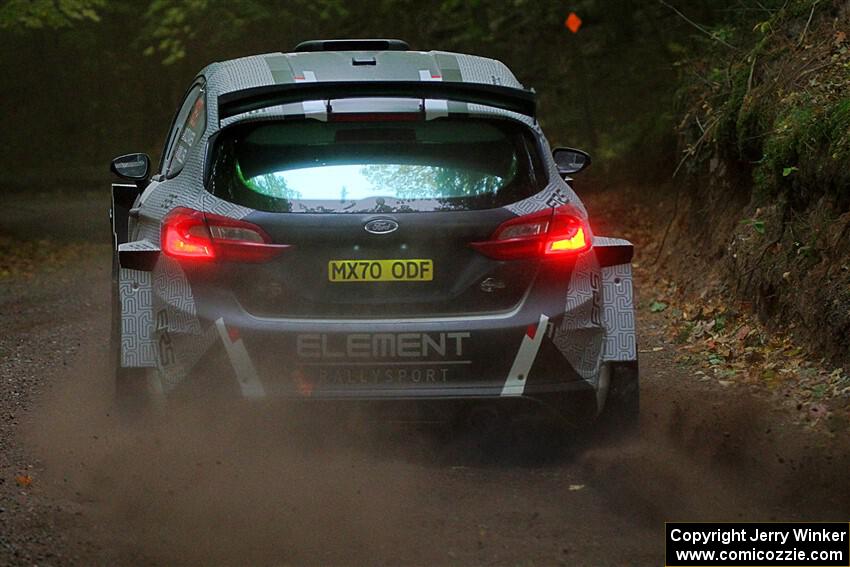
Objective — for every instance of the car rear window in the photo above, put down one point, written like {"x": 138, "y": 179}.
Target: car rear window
{"x": 376, "y": 165}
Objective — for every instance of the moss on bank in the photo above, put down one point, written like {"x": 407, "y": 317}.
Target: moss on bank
{"x": 767, "y": 126}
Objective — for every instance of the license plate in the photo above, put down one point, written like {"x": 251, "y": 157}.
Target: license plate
{"x": 404, "y": 270}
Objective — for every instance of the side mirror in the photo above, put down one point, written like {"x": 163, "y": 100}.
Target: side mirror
{"x": 134, "y": 167}
{"x": 570, "y": 161}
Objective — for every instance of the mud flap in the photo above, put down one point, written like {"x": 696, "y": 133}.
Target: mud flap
{"x": 136, "y": 300}
{"x": 123, "y": 197}
{"x": 618, "y": 312}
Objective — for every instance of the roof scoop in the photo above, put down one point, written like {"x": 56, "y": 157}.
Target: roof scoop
{"x": 352, "y": 45}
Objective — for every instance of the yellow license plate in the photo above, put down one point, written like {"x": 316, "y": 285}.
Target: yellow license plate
{"x": 405, "y": 270}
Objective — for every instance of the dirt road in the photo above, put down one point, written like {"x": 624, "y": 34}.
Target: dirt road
{"x": 77, "y": 486}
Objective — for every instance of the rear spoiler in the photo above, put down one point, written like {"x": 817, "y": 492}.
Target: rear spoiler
{"x": 522, "y": 101}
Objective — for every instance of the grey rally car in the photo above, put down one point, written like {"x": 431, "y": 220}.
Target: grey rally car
{"x": 358, "y": 221}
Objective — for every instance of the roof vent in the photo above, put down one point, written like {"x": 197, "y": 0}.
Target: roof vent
{"x": 352, "y": 45}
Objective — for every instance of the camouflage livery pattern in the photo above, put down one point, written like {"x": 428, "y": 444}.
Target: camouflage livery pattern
{"x": 159, "y": 326}
{"x": 618, "y": 311}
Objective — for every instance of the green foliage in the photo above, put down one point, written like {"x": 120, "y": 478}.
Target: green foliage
{"x": 607, "y": 89}
{"x": 37, "y": 14}
{"x": 657, "y": 306}
{"x": 783, "y": 105}
{"x": 755, "y": 224}
{"x": 814, "y": 136}
{"x": 715, "y": 359}
{"x": 418, "y": 182}
{"x": 174, "y": 26}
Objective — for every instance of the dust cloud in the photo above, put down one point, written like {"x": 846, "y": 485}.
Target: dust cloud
{"x": 239, "y": 485}
{"x": 263, "y": 485}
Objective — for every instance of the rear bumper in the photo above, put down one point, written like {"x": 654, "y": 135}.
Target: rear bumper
{"x": 574, "y": 402}
{"x": 503, "y": 354}
{"x": 391, "y": 360}
{"x": 549, "y": 349}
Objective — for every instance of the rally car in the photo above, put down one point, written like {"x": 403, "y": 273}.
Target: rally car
{"x": 358, "y": 221}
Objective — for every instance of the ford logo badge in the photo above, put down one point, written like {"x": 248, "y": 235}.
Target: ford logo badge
{"x": 380, "y": 226}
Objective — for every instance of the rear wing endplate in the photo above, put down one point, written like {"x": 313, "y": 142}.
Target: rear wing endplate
{"x": 522, "y": 101}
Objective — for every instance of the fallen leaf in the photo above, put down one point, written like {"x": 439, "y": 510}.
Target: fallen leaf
{"x": 818, "y": 411}
{"x": 23, "y": 480}
{"x": 575, "y": 487}
{"x": 657, "y": 306}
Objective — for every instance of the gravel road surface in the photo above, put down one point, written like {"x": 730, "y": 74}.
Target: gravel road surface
{"x": 234, "y": 486}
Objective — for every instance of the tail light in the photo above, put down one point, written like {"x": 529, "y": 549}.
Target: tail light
{"x": 545, "y": 234}
{"x": 192, "y": 235}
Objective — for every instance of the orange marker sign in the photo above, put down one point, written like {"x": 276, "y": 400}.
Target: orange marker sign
{"x": 573, "y": 22}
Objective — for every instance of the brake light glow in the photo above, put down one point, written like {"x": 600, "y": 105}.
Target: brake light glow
{"x": 192, "y": 235}
{"x": 567, "y": 233}
{"x": 574, "y": 243}
{"x": 548, "y": 233}
{"x": 185, "y": 235}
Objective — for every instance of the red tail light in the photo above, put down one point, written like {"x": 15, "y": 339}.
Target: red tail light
{"x": 192, "y": 235}
{"x": 544, "y": 234}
